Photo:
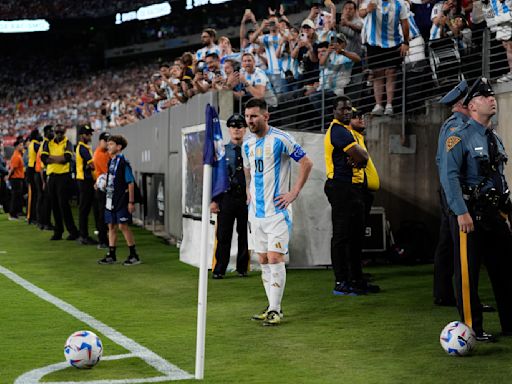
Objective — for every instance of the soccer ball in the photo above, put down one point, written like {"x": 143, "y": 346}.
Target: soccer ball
{"x": 457, "y": 339}
{"x": 83, "y": 349}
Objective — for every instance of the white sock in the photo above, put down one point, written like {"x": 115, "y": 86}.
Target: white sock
{"x": 265, "y": 278}
{"x": 277, "y": 283}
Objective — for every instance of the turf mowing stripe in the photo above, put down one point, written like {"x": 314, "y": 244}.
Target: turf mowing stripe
{"x": 171, "y": 371}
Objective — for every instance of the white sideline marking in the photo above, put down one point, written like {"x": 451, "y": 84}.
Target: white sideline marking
{"x": 170, "y": 371}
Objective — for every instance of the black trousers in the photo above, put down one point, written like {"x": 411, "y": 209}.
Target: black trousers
{"x": 60, "y": 192}
{"x": 231, "y": 209}
{"x": 443, "y": 257}
{"x": 348, "y": 212}
{"x": 16, "y": 206}
{"x": 32, "y": 196}
{"x": 44, "y": 203}
{"x": 86, "y": 197}
{"x": 98, "y": 209}
{"x": 493, "y": 247}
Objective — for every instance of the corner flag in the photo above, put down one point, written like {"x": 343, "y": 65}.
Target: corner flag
{"x": 215, "y": 182}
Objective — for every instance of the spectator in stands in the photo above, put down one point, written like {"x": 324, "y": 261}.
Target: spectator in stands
{"x": 306, "y": 53}
{"x": 226, "y": 51}
{"x": 351, "y": 25}
{"x": 385, "y": 46}
{"x": 232, "y": 72}
{"x": 328, "y": 31}
{"x": 253, "y": 79}
{"x": 441, "y": 13}
{"x": 208, "y": 40}
{"x": 289, "y": 64}
{"x": 270, "y": 41}
{"x": 16, "y": 178}
{"x": 245, "y": 35}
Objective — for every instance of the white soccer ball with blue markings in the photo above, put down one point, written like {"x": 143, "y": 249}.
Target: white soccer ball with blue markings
{"x": 457, "y": 339}
{"x": 83, "y": 349}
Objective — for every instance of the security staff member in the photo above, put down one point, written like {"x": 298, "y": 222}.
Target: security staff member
{"x": 231, "y": 205}
{"x": 33, "y": 188}
{"x": 44, "y": 206}
{"x": 343, "y": 158}
{"x": 478, "y": 197}
{"x": 443, "y": 258}
{"x": 16, "y": 177}
{"x": 57, "y": 155}
{"x": 84, "y": 170}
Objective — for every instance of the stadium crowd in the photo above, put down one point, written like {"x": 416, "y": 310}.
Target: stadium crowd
{"x": 336, "y": 50}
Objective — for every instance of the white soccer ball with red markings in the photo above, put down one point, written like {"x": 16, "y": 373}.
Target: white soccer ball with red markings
{"x": 83, "y": 349}
{"x": 457, "y": 339}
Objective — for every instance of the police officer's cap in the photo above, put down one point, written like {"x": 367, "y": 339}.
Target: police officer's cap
{"x": 481, "y": 87}
{"x": 104, "y": 136}
{"x": 237, "y": 120}
{"x": 85, "y": 130}
{"x": 47, "y": 129}
{"x": 357, "y": 112}
{"x": 456, "y": 94}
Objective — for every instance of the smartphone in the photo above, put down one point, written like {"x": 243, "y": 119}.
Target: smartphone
{"x": 303, "y": 36}
{"x": 332, "y": 40}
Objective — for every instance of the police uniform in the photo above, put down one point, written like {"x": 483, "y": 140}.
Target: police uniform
{"x": 473, "y": 180}
{"x": 85, "y": 182}
{"x": 443, "y": 257}
{"x": 59, "y": 186}
{"x": 233, "y": 206}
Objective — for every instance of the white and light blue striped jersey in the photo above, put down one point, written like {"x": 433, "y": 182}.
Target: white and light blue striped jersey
{"x": 435, "y": 30}
{"x": 258, "y": 77}
{"x": 382, "y": 26}
{"x": 253, "y": 48}
{"x": 414, "y": 31}
{"x": 268, "y": 159}
{"x": 325, "y": 35}
{"x": 237, "y": 56}
{"x": 288, "y": 63}
{"x": 271, "y": 44}
{"x": 201, "y": 53}
{"x": 335, "y": 65}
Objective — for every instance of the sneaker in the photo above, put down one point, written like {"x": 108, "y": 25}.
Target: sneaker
{"x": 378, "y": 110}
{"x": 389, "y": 110}
{"x": 131, "y": 260}
{"x": 272, "y": 319}
{"x": 505, "y": 78}
{"x": 13, "y": 218}
{"x": 217, "y": 276}
{"x": 102, "y": 246}
{"x": 107, "y": 260}
{"x": 263, "y": 315}
{"x": 344, "y": 289}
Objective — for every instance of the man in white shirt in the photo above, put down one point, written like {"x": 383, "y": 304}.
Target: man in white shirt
{"x": 253, "y": 79}
{"x": 209, "y": 46}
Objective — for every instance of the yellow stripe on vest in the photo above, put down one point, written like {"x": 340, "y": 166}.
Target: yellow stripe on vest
{"x": 466, "y": 294}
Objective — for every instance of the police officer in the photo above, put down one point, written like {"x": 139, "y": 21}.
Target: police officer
{"x": 57, "y": 155}
{"x": 443, "y": 258}
{"x": 33, "y": 188}
{"x": 231, "y": 205}
{"x": 472, "y": 177}
{"x": 84, "y": 177}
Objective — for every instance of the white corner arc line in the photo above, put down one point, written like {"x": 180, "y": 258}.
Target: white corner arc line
{"x": 171, "y": 371}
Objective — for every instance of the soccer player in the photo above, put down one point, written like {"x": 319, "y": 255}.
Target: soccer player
{"x": 120, "y": 201}
{"x": 266, "y": 158}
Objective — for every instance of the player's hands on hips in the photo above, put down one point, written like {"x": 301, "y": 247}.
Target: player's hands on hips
{"x": 214, "y": 207}
{"x": 465, "y": 223}
{"x": 283, "y": 201}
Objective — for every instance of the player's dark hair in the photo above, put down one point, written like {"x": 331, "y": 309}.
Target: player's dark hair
{"x": 212, "y": 32}
{"x": 119, "y": 140}
{"x": 257, "y": 103}
{"x": 214, "y": 55}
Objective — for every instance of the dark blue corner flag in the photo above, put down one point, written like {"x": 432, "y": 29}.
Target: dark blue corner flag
{"x": 214, "y": 153}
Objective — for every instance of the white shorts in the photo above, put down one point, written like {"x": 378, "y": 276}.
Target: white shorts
{"x": 271, "y": 234}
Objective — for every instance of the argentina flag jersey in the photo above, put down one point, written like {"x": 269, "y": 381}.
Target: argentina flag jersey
{"x": 382, "y": 26}
{"x": 268, "y": 159}
{"x": 271, "y": 43}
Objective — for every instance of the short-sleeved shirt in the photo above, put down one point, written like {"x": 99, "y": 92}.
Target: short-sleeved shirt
{"x": 271, "y": 44}
{"x": 381, "y": 27}
{"x": 32, "y": 153}
{"x": 52, "y": 148}
{"x": 435, "y": 30}
{"x": 120, "y": 175}
{"x": 268, "y": 159}
{"x": 337, "y": 141}
{"x": 367, "y": 176}
{"x": 100, "y": 160}
{"x": 17, "y": 165}
{"x": 201, "y": 53}
{"x": 337, "y": 65}
{"x": 83, "y": 159}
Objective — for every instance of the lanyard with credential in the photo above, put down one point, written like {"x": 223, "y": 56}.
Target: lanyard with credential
{"x": 110, "y": 185}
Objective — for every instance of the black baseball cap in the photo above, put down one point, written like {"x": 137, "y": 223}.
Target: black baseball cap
{"x": 104, "y": 136}
{"x": 85, "y": 130}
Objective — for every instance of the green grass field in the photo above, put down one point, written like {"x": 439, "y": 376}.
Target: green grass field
{"x": 390, "y": 337}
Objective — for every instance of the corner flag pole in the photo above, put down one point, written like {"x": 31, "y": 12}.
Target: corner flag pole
{"x": 203, "y": 272}
{"x": 466, "y": 294}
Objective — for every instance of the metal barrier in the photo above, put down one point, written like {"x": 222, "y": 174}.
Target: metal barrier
{"x": 428, "y": 76}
